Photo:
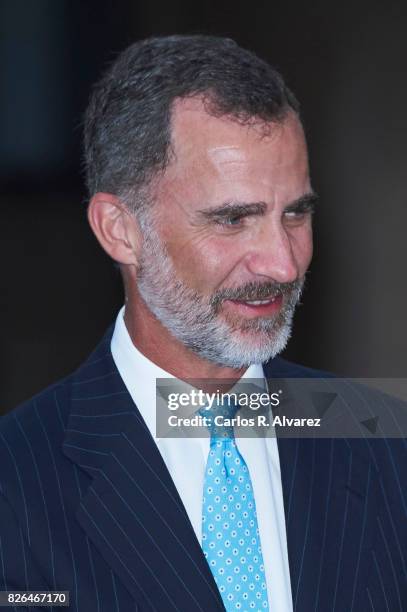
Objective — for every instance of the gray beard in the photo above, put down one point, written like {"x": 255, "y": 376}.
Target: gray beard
{"x": 196, "y": 321}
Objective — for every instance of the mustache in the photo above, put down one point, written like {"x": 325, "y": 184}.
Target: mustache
{"x": 257, "y": 291}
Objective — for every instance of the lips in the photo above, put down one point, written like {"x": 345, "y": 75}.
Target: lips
{"x": 257, "y": 308}
{"x": 259, "y": 302}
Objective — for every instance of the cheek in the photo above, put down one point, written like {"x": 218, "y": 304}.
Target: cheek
{"x": 205, "y": 264}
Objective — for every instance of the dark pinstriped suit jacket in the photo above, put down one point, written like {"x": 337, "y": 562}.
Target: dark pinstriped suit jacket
{"x": 87, "y": 505}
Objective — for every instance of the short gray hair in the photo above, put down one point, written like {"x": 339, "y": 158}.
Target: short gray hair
{"x": 127, "y": 132}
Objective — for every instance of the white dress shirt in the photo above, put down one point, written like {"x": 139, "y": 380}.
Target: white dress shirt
{"x": 186, "y": 459}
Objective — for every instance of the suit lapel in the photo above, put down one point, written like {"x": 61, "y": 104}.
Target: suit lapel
{"x": 325, "y": 500}
{"x": 134, "y": 516}
{"x": 132, "y": 511}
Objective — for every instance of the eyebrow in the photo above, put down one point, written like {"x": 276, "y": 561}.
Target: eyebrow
{"x": 305, "y": 203}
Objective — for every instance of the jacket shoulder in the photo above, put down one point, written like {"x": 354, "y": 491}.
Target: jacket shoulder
{"x": 47, "y": 402}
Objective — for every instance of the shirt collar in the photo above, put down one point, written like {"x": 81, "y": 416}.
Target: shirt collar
{"x": 139, "y": 374}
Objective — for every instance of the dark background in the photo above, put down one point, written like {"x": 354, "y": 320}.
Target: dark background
{"x": 347, "y": 65}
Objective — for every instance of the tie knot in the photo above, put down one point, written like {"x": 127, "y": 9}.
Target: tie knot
{"x": 219, "y": 419}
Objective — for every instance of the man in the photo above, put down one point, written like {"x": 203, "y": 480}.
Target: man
{"x": 198, "y": 174}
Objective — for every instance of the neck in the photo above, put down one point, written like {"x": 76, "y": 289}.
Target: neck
{"x": 156, "y": 343}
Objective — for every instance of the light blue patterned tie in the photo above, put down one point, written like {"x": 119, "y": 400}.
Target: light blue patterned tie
{"x": 230, "y": 534}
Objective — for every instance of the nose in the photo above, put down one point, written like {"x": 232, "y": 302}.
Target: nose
{"x": 272, "y": 256}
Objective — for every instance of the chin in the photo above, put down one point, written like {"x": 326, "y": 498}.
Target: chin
{"x": 243, "y": 350}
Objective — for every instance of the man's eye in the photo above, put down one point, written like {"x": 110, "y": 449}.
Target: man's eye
{"x": 297, "y": 215}
{"x": 294, "y": 214}
{"x": 232, "y": 221}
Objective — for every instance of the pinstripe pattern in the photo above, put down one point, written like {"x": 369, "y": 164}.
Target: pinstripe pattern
{"x": 362, "y": 533}
{"x": 87, "y": 505}
{"x": 346, "y": 553}
{"x": 296, "y": 589}
{"x": 324, "y": 533}
{"x": 344, "y": 523}
{"x": 115, "y": 593}
{"x": 390, "y": 559}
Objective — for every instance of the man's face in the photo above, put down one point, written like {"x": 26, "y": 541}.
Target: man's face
{"x": 223, "y": 263}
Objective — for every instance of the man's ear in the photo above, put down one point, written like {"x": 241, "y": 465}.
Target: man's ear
{"x": 115, "y": 227}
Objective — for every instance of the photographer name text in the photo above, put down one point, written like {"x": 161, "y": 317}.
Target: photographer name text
{"x": 259, "y": 420}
